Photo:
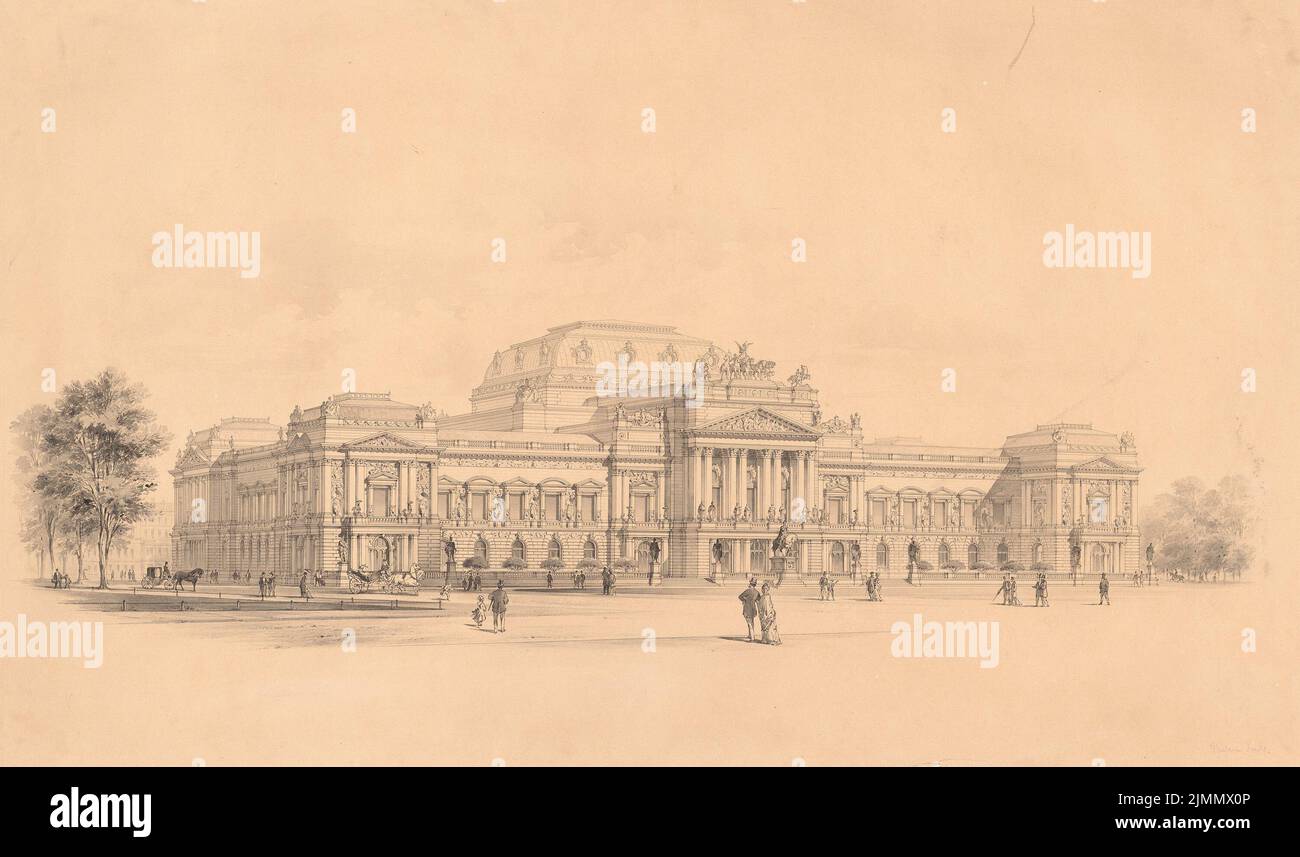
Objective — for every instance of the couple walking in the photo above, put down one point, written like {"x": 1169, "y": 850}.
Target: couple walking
{"x": 759, "y": 605}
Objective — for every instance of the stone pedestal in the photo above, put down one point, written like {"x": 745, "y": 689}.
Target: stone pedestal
{"x": 778, "y": 569}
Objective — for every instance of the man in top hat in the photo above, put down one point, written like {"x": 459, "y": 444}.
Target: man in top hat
{"x": 1103, "y": 586}
{"x": 499, "y": 599}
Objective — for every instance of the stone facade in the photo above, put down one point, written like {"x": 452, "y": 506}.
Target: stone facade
{"x": 544, "y": 465}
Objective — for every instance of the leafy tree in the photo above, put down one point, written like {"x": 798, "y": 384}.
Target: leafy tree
{"x": 99, "y": 444}
{"x": 1201, "y": 532}
{"x": 40, "y": 513}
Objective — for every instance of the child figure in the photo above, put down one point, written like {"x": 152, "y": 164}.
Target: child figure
{"x": 480, "y": 611}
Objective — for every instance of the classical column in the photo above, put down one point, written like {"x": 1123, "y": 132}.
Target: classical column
{"x": 659, "y": 494}
{"x": 697, "y": 479}
{"x": 738, "y": 466}
{"x": 709, "y": 477}
{"x": 764, "y": 483}
{"x": 814, "y": 477}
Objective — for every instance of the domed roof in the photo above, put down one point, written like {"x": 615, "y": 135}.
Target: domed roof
{"x": 584, "y": 344}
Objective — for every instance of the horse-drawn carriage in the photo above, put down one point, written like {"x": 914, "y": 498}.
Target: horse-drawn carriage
{"x": 403, "y": 583}
{"x": 161, "y": 577}
{"x": 156, "y": 576}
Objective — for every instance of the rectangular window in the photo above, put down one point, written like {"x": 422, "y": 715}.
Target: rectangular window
{"x": 836, "y": 510}
{"x": 879, "y": 515}
{"x": 444, "y": 504}
{"x": 644, "y": 502}
{"x": 519, "y": 506}
{"x": 589, "y": 505}
{"x": 480, "y": 505}
{"x": 909, "y": 514}
{"x": 941, "y": 515}
{"x": 553, "y": 506}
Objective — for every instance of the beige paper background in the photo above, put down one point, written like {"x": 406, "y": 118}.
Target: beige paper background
{"x": 774, "y": 120}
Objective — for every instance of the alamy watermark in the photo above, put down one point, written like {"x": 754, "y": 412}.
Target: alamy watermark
{"x": 24, "y": 639}
{"x": 1099, "y": 250}
{"x": 181, "y": 249}
{"x": 658, "y": 379}
{"x": 921, "y": 639}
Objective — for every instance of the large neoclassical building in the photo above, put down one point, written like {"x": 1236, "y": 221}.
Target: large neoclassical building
{"x": 551, "y": 462}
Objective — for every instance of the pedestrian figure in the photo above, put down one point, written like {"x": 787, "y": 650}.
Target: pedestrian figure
{"x": 1004, "y": 591}
{"x": 55, "y": 580}
{"x": 749, "y": 607}
{"x": 821, "y": 588}
{"x": 830, "y": 588}
{"x": 480, "y": 611}
{"x": 1103, "y": 587}
{"x": 1015, "y": 602}
{"x": 302, "y": 586}
{"x": 499, "y": 600}
{"x": 767, "y": 617}
{"x": 613, "y": 581}
{"x": 550, "y": 579}
{"x": 604, "y": 580}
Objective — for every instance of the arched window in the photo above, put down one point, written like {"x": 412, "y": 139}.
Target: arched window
{"x": 1038, "y": 552}
{"x": 1004, "y": 555}
{"x": 553, "y": 550}
{"x": 945, "y": 555}
{"x": 882, "y": 555}
{"x": 973, "y": 555}
{"x": 589, "y": 550}
{"x": 837, "y": 557}
{"x": 480, "y": 550}
{"x": 517, "y": 550}
{"x": 758, "y": 556}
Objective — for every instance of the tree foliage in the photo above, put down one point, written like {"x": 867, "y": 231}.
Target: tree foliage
{"x": 86, "y": 463}
{"x": 1200, "y": 531}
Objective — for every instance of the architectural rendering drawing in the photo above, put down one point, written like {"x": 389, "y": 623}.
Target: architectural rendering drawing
{"x": 740, "y": 383}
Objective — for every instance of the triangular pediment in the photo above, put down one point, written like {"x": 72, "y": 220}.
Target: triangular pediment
{"x": 1102, "y": 464}
{"x": 383, "y": 440}
{"x": 756, "y": 422}
{"x": 193, "y": 457}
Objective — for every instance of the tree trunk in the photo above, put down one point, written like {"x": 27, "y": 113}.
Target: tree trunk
{"x": 102, "y": 546}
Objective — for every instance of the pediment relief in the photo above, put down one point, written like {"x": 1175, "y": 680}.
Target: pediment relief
{"x": 756, "y": 422}
{"x": 383, "y": 440}
{"x": 1102, "y": 465}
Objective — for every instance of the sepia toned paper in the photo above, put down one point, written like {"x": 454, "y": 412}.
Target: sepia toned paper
{"x": 956, "y": 275}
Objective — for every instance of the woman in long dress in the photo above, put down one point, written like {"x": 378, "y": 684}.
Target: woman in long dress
{"x": 767, "y": 617}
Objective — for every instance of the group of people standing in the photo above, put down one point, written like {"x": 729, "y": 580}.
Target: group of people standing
{"x": 826, "y": 588}
{"x": 758, "y": 604}
{"x": 472, "y": 581}
{"x": 60, "y": 580}
{"x": 266, "y": 585}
